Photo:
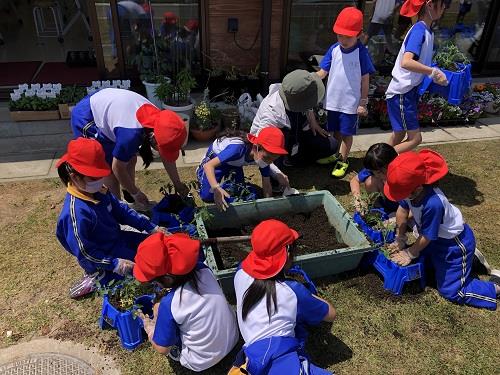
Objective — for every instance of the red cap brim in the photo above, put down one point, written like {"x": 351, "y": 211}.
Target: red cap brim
{"x": 89, "y": 171}
{"x": 269, "y": 148}
{"x": 342, "y": 31}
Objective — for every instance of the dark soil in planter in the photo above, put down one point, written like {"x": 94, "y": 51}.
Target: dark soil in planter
{"x": 317, "y": 235}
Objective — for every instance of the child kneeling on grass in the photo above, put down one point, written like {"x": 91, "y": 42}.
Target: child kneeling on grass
{"x": 193, "y": 323}
{"x": 373, "y": 176}
{"x": 273, "y": 312}
{"x": 227, "y": 156}
{"x": 444, "y": 238}
{"x": 348, "y": 65}
{"x": 89, "y": 224}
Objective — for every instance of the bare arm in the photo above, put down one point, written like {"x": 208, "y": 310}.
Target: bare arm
{"x": 365, "y": 87}
{"x": 332, "y": 314}
{"x": 401, "y": 221}
{"x": 322, "y": 73}
{"x": 209, "y": 168}
{"x": 413, "y": 65}
{"x": 313, "y": 123}
{"x": 172, "y": 172}
{"x": 266, "y": 187}
{"x": 120, "y": 171}
{"x": 355, "y": 187}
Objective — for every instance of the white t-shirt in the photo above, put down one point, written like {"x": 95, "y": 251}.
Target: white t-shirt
{"x": 204, "y": 325}
{"x": 420, "y": 41}
{"x": 296, "y": 306}
{"x": 271, "y": 112}
{"x": 383, "y": 10}
{"x": 116, "y": 108}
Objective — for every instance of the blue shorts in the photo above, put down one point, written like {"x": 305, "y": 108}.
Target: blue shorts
{"x": 403, "y": 112}
{"x": 344, "y": 123}
{"x": 83, "y": 125}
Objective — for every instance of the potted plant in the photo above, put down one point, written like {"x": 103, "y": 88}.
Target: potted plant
{"x": 151, "y": 70}
{"x": 175, "y": 95}
{"x": 206, "y": 122}
{"x": 27, "y": 106}
{"x": 232, "y": 83}
{"x": 121, "y": 300}
{"x": 215, "y": 83}
{"x": 69, "y": 96}
{"x": 489, "y": 94}
{"x": 251, "y": 84}
{"x": 456, "y": 66}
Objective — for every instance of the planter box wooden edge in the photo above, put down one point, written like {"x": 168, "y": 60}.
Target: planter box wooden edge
{"x": 34, "y": 115}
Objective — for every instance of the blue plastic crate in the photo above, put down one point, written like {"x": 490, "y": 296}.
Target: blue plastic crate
{"x": 459, "y": 84}
{"x": 376, "y": 236}
{"x": 130, "y": 328}
{"x": 168, "y": 219}
{"x": 396, "y": 276}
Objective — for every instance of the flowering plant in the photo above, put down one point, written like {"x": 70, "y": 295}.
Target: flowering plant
{"x": 207, "y": 115}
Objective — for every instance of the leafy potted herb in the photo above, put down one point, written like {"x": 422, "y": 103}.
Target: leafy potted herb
{"x": 175, "y": 94}
{"x": 121, "y": 300}
{"x": 206, "y": 121}
{"x": 457, "y": 68}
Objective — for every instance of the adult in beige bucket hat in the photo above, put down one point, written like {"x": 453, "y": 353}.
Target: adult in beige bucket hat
{"x": 301, "y": 90}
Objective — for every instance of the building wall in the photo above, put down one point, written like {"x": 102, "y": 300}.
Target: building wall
{"x": 222, "y": 49}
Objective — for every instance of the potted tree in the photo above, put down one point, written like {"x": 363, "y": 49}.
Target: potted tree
{"x": 206, "y": 122}
{"x": 175, "y": 95}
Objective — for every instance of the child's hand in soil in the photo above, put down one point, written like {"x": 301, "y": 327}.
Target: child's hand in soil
{"x": 401, "y": 257}
{"x": 163, "y": 230}
{"x": 123, "y": 266}
{"x": 439, "y": 77}
{"x": 220, "y": 196}
{"x": 148, "y": 323}
{"x": 282, "y": 179}
{"x": 395, "y": 247}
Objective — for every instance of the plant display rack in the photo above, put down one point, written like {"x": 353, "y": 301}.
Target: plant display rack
{"x": 316, "y": 264}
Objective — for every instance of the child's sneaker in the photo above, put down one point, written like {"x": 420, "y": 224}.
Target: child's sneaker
{"x": 340, "y": 169}
{"x": 174, "y": 353}
{"x": 328, "y": 160}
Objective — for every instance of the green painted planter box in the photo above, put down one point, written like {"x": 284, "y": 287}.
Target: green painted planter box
{"x": 316, "y": 264}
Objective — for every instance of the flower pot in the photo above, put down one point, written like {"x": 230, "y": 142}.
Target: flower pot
{"x": 228, "y": 116}
{"x": 204, "y": 135}
{"x": 64, "y": 111}
{"x": 459, "y": 84}
{"x": 34, "y": 115}
{"x": 376, "y": 236}
{"x": 491, "y": 108}
{"x": 150, "y": 92}
{"x": 216, "y": 87}
{"x": 186, "y": 109}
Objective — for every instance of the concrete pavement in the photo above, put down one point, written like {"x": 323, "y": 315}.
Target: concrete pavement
{"x": 29, "y": 150}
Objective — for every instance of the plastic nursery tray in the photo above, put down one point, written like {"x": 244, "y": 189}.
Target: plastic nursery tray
{"x": 374, "y": 235}
{"x": 317, "y": 264}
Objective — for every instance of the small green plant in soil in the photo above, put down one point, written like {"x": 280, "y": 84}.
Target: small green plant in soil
{"x": 34, "y": 103}
{"x": 449, "y": 56}
{"x": 123, "y": 293}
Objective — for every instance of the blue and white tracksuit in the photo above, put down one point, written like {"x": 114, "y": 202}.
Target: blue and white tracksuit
{"x": 109, "y": 116}
{"x": 233, "y": 154}
{"x": 90, "y": 230}
{"x": 345, "y": 69}
{"x": 402, "y": 93}
{"x": 451, "y": 250}
{"x": 275, "y": 345}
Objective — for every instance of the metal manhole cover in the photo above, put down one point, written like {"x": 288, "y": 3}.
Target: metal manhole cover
{"x": 47, "y": 364}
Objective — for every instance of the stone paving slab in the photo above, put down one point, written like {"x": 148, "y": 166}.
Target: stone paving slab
{"x": 471, "y": 132}
{"x": 26, "y": 165}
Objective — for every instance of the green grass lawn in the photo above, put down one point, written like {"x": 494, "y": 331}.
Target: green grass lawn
{"x": 375, "y": 333}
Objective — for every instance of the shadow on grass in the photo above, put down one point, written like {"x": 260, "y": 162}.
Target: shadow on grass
{"x": 461, "y": 190}
{"x": 325, "y": 348}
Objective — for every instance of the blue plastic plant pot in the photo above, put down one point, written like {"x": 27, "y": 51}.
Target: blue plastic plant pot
{"x": 160, "y": 216}
{"x": 394, "y": 275}
{"x": 376, "y": 236}
{"x": 459, "y": 84}
{"x": 295, "y": 269}
{"x": 189, "y": 229}
{"x": 129, "y": 327}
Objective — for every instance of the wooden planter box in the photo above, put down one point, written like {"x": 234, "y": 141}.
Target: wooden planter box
{"x": 34, "y": 115}
{"x": 65, "y": 111}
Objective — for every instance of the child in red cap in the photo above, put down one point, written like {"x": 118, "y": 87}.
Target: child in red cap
{"x": 126, "y": 123}
{"x": 193, "y": 323}
{"x": 272, "y": 310}
{"x": 412, "y": 64}
{"x": 227, "y": 156}
{"x": 89, "y": 224}
{"x": 444, "y": 238}
{"x": 348, "y": 65}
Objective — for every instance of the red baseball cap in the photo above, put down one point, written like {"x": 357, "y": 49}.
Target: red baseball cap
{"x": 269, "y": 255}
{"x": 86, "y": 156}
{"x": 413, "y": 169}
{"x": 170, "y": 132}
{"x": 271, "y": 139}
{"x": 191, "y": 25}
{"x": 349, "y": 22}
{"x": 170, "y": 17}
{"x": 411, "y": 8}
{"x": 160, "y": 254}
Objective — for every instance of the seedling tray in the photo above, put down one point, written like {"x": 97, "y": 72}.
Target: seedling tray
{"x": 316, "y": 264}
